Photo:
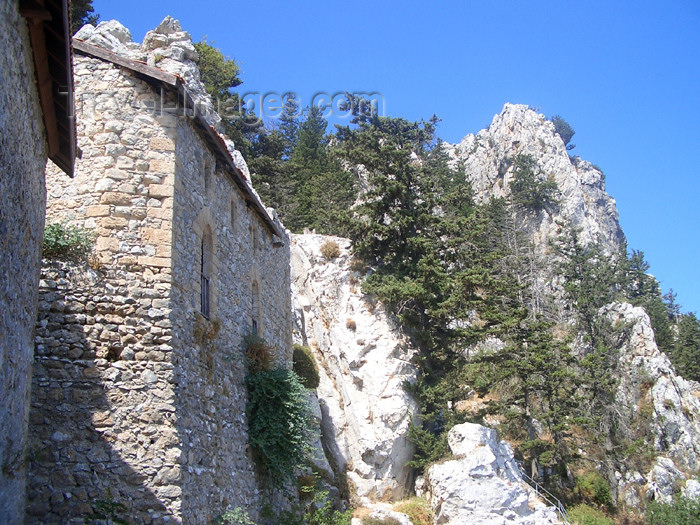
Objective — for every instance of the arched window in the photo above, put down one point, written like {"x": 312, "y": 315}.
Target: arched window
{"x": 206, "y": 271}
{"x": 255, "y": 308}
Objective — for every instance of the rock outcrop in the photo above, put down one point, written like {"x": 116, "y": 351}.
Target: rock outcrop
{"x": 364, "y": 361}
{"x": 649, "y": 389}
{"x": 649, "y": 376}
{"x": 483, "y": 485}
{"x": 487, "y": 158}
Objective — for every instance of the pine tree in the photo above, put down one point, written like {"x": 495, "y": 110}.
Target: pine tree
{"x": 82, "y": 12}
{"x": 686, "y": 352}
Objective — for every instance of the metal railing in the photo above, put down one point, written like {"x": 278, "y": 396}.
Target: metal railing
{"x": 547, "y": 496}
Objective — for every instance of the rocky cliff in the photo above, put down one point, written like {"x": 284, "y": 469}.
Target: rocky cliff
{"x": 364, "y": 361}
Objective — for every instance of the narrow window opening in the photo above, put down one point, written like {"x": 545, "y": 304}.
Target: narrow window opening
{"x": 255, "y": 306}
{"x": 205, "y": 274}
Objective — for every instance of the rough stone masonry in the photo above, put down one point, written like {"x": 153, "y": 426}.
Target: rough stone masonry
{"x": 138, "y": 389}
{"x": 22, "y": 159}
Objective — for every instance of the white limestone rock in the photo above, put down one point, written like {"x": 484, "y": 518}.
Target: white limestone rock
{"x": 676, "y": 410}
{"x": 662, "y": 480}
{"x": 692, "y": 489}
{"x": 483, "y": 485}
{"x": 366, "y": 411}
{"x": 487, "y": 159}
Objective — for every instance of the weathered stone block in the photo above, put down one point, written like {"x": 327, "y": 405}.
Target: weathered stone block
{"x": 162, "y": 143}
{"x": 160, "y": 190}
{"x": 99, "y": 210}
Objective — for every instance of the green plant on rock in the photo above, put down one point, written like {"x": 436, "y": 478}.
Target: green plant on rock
{"x": 417, "y": 509}
{"x": 237, "y": 516}
{"x": 593, "y": 487}
{"x": 528, "y": 188}
{"x": 683, "y": 511}
{"x": 279, "y": 423}
{"x": 319, "y": 511}
{"x": 586, "y": 515}
{"x": 67, "y": 243}
{"x": 305, "y": 366}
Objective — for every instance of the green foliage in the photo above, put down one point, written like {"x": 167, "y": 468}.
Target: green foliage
{"x": 683, "y": 511}
{"x": 278, "y": 422}
{"x": 82, "y": 12}
{"x": 686, "y": 351}
{"x": 219, "y": 74}
{"x": 564, "y": 130}
{"x": 430, "y": 447}
{"x": 108, "y": 509}
{"x": 529, "y": 188}
{"x": 64, "y": 242}
{"x": 594, "y": 488}
{"x": 319, "y": 511}
{"x": 305, "y": 366}
{"x": 586, "y": 515}
{"x": 642, "y": 289}
{"x": 237, "y": 516}
{"x": 417, "y": 509}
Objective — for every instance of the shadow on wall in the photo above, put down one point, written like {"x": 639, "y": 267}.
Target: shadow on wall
{"x": 94, "y": 418}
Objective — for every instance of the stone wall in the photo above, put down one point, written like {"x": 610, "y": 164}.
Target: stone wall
{"x": 139, "y": 398}
{"x": 210, "y": 387}
{"x": 22, "y": 160}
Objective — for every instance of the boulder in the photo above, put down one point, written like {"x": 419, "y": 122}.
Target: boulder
{"x": 483, "y": 485}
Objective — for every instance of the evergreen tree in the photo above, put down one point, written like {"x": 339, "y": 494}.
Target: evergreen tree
{"x": 528, "y": 188}
{"x": 323, "y": 191}
{"x": 686, "y": 352}
{"x": 82, "y": 12}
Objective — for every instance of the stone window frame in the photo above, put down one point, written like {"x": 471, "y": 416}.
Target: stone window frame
{"x": 208, "y": 173}
{"x": 205, "y": 225}
{"x": 255, "y": 302}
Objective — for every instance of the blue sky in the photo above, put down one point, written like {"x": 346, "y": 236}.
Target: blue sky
{"x": 625, "y": 75}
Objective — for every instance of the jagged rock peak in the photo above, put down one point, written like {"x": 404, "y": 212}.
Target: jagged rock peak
{"x": 487, "y": 158}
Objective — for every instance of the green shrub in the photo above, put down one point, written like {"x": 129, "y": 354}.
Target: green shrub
{"x": 236, "y": 516}
{"x": 683, "y": 511}
{"x": 417, "y": 509}
{"x": 528, "y": 188}
{"x": 305, "y": 366}
{"x": 319, "y": 512}
{"x": 279, "y": 424}
{"x": 67, "y": 243}
{"x": 330, "y": 250}
{"x": 585, "y": 515}
{"x": 593, "y": 487}
{"x": 564, "y": 130}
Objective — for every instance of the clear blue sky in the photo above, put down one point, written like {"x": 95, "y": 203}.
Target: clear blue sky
{"x": 625, "y": 74}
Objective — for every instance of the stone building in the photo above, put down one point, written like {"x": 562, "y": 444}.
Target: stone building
{"x": 35, "y": 122}
{"x": 138, "y": 391}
